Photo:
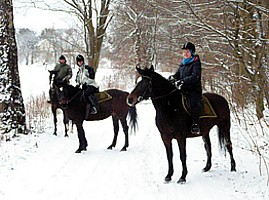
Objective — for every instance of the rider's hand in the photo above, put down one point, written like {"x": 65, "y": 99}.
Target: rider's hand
{"x": 172, "y": 79}
{"x": 84, "y": 86}
{"x": 179, "y": 84}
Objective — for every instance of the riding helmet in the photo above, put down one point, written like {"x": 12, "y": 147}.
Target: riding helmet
{"x": 62, "y": 57}
{"x": 79, "y": 58}
{"x": 190, "y": 46}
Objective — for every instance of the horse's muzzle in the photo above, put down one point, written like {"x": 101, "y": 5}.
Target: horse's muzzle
{"x": 63, "y": 104}
{"x": 132, "y": 100}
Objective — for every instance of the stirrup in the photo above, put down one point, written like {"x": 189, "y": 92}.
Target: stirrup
{"x": 93, "y": 110}
{"x": 195, "y": 129}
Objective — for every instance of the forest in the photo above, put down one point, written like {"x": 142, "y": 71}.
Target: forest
{"x": 231, "y": 38}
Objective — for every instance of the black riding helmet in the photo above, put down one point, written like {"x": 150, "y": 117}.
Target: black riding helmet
{"x": 80, "y": 58}
{"x": 190, "y": 46}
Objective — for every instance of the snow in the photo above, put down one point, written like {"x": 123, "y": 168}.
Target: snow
{"x": 41, "y": 166}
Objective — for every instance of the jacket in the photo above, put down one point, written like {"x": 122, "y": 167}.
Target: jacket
{"x": 65, "y": 71}
{"x": 190, "y": 75}
{"x": 86, "y": 76}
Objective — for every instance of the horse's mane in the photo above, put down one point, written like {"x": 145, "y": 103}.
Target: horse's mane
{"x": 162, "y": 82}
{"x": 71, "y": 89}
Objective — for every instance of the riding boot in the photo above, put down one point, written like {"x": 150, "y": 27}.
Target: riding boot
{"x": 94, "y": 103}
{"x": 195, "y": 127}
{"x": 88, "y": 110}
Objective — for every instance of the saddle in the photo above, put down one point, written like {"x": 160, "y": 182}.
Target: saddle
{"x": 206, "y": 108}
{"x": 102, "y": 96}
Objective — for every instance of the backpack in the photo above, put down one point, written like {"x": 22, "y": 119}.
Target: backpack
{"x": 91, "y": 71}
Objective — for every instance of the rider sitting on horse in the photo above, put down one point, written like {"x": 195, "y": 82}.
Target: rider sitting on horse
{"x": 85, "y": 80}
{"x": 188, "y": 79}
{"x": 64, "y": 73}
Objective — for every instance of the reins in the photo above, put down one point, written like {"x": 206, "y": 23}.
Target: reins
{"x": 73, "y": 97}
{"x": 150, "y": 89}
{"x": 164, "y": 95}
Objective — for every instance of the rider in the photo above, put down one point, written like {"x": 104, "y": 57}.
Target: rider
{"x": 188, "y": 79}
{"x": 64, "y": 71}
{"x": 85, "y": 79}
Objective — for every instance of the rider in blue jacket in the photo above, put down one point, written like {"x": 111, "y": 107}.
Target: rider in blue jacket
{"x": 188, "y": 77}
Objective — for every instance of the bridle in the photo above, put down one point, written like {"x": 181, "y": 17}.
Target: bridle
{"x": 141, "y": 97}
{"x": 55, "y": 88}
{"x": 149, "y": 88}
{"x": 73, "y": 97}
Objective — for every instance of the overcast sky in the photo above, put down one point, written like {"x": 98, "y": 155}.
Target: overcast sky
{"x": 37, "y": 19}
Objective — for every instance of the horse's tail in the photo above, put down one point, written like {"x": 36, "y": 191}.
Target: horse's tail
{"x": 133, "y": 118}
{"x": 224, "y": 135}
{"x": 221, "y": 140}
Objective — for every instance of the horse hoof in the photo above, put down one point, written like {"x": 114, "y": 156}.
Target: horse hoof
{"x": 233, "y": 170}
{"x": 66, "y": 135}
{"x": 123, "y": 149}
{"x": 110, "y": 147}
{"x": 233, "y": 167}
{"x": 80, "y": 149}
{"x": 206, "y": 169}
{"x": 181, "y": 181}
{"x": 167, "y": 179}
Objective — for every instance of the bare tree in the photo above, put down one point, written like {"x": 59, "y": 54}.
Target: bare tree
{"x": 13, "y": 114}
{"x": 27, "y": 42}
{"x": 95, "y": 17}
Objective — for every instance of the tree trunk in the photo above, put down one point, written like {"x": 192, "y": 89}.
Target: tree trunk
{"x": 13, "y": 116}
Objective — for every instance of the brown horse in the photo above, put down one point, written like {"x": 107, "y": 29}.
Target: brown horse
{"x": 70, "y": 98}
{"x": 55, "y": 104}
{"x": 173, "y": 121}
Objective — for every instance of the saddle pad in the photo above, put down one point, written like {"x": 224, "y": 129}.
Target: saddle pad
{"x": 102, "y": 96}
{"x": 207, "y": 110}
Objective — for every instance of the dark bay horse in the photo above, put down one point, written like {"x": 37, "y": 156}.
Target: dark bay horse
{"x": 55, "y": 104}
{"x": 174, "y": 122}
{"x": 70, "y": 98}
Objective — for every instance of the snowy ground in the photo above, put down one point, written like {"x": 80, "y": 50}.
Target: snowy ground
{"x": 42, "y": 166}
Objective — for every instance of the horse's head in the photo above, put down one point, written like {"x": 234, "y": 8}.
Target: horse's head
{"x": 152, "y": 85}
{"x": 52, "y": 77}
{"x": 54, "y": 81}
{"x": 66, "y": 94}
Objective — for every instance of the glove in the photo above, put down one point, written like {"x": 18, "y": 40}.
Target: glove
{"x": 84, "y": 86}
{"x": 171, "y": 79}
{"x": 179, "y": 84}
{"x": 59, "y": 82}
{"x": 64, "y": 80}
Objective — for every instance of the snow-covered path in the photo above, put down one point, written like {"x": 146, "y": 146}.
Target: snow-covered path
{"x": 53, "y": 171}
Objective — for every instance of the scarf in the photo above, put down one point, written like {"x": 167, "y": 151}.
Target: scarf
{"x": 186, "y": 61}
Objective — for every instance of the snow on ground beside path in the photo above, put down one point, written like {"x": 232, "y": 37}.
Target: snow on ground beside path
{"x": 54, "y": 171}
{"x": 43, "y": 166}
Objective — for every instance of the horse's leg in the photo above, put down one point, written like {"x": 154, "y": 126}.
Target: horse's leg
{"x": 66, "y": 124}
{"x": 167, "y": 141}
{"x": 125, "y": 130}
{"x": 53, "y": 109}
{"x": 82, "y": 139}
{"x": 207, "y": 145}
{"x": 229, "y": 147}
{"x": 183, "y": 155}
{"x": 116, "y": 131}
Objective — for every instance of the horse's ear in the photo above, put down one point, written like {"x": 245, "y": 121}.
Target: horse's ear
{"x": 140, "y": 71}
{"x": 151, "y": 68}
